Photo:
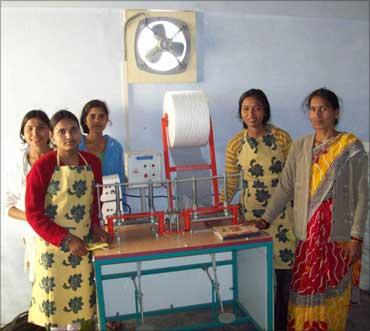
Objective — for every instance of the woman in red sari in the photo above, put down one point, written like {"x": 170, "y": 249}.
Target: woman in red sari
{"x": 326, "y": 175}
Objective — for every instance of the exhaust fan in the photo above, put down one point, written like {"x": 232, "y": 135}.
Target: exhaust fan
{"x": 162, "y": 45}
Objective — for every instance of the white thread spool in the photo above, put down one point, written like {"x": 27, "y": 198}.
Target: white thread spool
{"x": 188, "y": 118}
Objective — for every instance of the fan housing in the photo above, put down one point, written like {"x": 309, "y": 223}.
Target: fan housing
{"x": 162, "y": 45}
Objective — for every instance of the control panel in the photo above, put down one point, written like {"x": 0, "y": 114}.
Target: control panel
{"x": 108, "y": 196}
{"x": 142, "y": 167}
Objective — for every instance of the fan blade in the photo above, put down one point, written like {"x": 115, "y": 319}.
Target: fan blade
{"x": 177, "y": 48}
{"x": 159, "y": 31}
{"x": 154, "y": 54}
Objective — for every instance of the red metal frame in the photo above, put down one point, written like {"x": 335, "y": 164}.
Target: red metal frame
{"x": 158, "y": 214}
{"x": 186, "y": 214}
{"x": 204, "y": 166}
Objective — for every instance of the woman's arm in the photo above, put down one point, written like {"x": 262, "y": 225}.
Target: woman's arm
{"x": 37, "y": 184}
{"x": 285, "y": 189}
{"x": 16, "y": 213}
{"x": 360, "y": 189}
{"x": 231, "y": 166}
{"x": 15, "y": 187}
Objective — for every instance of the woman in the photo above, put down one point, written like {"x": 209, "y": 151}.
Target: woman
{"x": 326, "y": 175}
{"x": 61, "y": 206}
{"x": 260, "y": 150}
{"x": 94, "y": 119}
{"x": 34, "y": 133}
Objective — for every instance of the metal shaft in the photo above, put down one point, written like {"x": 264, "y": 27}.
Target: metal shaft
{"x": 217, "y": 284}
{"x": 138, "y": 265}
{"x": 195, "y": 198}
{"x": 101, "y": 218}
{"x": 143, "y": 201}
{"x": 226, "y": 202}
{"x": 176, "y": 195}
{"x": 150, "y": 196}
{"x": 241, "y": 184}
{"x": 118, "y": 201}
{"x": 169, "y": 198}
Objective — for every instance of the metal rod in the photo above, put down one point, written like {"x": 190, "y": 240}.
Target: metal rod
{"x": 150, "y": 196}
{"x": 118, "y": 202}
{"x": 136, "y": 221}
{"x": 133, "y": 278}
{"x": 215, "y": 218}
{"x": 195, "y": 198}
{"x": 226, "y": 202}
{"x": 138, "y": 265}
{"x": 169, "y": 197}
{"x": 143, "y": 200}
{"x": 241, "y": 184}
{"x": 101, "y": 218}
{"x": 175, "y": 190}
{"x": 217, "y": 284}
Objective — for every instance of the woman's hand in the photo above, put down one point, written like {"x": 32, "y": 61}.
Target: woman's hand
{"x": 260, "y": 224}
{"x": 99, "y": 235}
{"x": 353, "y": 251}
{"x": 76, "y": 245}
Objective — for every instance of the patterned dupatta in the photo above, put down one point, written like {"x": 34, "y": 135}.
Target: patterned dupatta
{"x": 321, "y": 275}
{"x": 328, "y": 160}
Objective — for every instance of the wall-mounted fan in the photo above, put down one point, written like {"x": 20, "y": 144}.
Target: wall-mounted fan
{"x": 162, "y": 45}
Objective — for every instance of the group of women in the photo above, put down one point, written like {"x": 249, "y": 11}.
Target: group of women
{"x": 54, "y": 190}
{"x": 310, "y": 195}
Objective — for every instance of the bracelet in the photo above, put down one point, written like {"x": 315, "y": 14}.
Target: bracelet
{"x": 357, "y": 239}
{"x": 267, "y": 224}
{"x": 66, "y": 241}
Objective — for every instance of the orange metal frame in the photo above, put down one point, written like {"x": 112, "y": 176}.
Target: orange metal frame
{"x": 203, "y": 166}
{"x": 158, "y": 215}
{"x": 186, "y": 214}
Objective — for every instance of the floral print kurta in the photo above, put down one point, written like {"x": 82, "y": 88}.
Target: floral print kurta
{"x": 262, "y": 160}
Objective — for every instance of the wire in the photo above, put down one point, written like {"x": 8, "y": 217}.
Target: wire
{"x": 125, "y": 31}
{"x": 128, "y": 206}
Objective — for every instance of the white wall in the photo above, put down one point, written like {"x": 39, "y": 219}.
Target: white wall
{"x": 62, "y": 54}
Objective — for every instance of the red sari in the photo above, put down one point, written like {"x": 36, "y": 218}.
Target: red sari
{"x": 322, "y": 275}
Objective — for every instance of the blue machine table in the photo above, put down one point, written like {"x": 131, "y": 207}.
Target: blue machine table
{"x": 199, "y": 262}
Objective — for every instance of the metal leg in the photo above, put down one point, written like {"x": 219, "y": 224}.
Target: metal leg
{"x": 136, "y": 300}
{"x": 140, "y": 293}
{"x": 100, "y": 298}
{"x": 222, "y": 317}
{"x": 214, "y": 300}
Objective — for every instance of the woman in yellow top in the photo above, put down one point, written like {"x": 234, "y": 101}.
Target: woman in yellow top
{"x": 260, "y": 150}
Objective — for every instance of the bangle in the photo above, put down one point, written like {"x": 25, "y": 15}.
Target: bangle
{"x": 66, "y": 241}
{"x": 267, "y": 224}
{"x": 357, "y": 239}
